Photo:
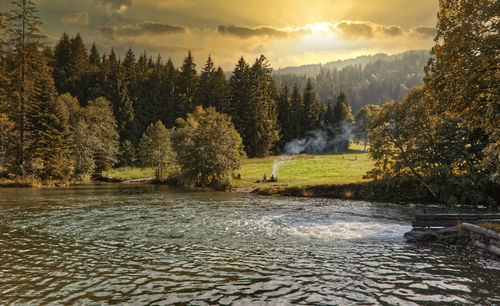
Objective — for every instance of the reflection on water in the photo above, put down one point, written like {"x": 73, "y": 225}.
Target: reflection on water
{"x": 128, "y": 244}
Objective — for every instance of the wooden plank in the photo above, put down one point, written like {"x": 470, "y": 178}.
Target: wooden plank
{"x": 456, "y": 216}
{"x": 435, "y": 223}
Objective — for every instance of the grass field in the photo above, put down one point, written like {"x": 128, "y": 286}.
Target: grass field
{"x": 300, "y": 170}
{"x": 307, "y": 170}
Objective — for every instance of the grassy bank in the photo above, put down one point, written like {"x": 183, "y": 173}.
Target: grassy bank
{"x": 336, "y": 175}
{"x": 306, "y": 170}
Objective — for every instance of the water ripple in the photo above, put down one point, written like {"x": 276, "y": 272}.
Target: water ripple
{"x": 144, "y": 246}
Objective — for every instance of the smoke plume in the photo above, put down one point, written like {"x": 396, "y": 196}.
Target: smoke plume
{"x": 323, "y": 141}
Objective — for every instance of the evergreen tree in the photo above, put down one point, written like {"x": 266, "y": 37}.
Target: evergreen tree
{"x": 169, "y": 107}
{"x": 26, "y": 64}
{"x": 61, "y": 64}
{"x": 261, "y": 117}
{"x": 94, "y": 57}
{"x": 94, "y": 77}
{"x": 240, "y": 85}
{"x": 213, "y": 88}
{"x": 186, "y": 86}
{"x": 313, "y": 109}
{"x": 117, "y": 92}
{"x": 204, "y": 93}
{"x": 70, "y": 67}
{"x": 78, "y": 68}
{"x": 342, "y": 111}
{"x": 284, "y": 115}
{"x": 49, "y": 141}
{"x": 296, "y": 114}
{"x": 343, "y": 119}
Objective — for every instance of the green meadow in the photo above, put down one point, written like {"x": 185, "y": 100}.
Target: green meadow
{"x": 293, "y": 171}
{"x": 306, "y": 170}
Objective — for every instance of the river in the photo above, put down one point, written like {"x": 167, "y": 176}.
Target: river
{"x": 125, "y": 244}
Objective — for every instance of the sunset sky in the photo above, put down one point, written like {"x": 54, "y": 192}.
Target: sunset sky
{"x": 288, "y": 32}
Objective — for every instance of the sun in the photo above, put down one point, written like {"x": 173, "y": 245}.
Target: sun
{"x": 319, "y": 27}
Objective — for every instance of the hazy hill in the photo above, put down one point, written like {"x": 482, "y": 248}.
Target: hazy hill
{"x": 371, "y": 79}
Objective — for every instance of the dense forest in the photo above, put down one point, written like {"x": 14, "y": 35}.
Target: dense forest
{"x": 365, "y": 80}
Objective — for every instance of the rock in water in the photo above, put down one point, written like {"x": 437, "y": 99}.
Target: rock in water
{"x": 418, "y": 235}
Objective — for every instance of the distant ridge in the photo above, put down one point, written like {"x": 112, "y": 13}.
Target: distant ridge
{"x": 369, "y": 79}
{"x": 363, "y": 60}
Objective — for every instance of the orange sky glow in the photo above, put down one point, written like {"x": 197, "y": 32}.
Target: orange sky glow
{"x": 288, "y": 32}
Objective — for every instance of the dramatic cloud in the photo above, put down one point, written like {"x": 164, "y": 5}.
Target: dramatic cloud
{"x": 142, "y": 28}
{"x": 426, "y": 32}
{"x": 81, "y": 18}
{"x": 287, "y": 32}
{"x": 367, "y": 30}
{"x": 247, "y": 32}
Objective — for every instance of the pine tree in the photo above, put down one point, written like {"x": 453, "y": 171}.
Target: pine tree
{"x": 61, "y": 64}
{"x": 284, "y": 114}
{"x": 49, "y": 140}
{"x": 213, "y": 88}
{"x": 94, "y": 57}
{"x": 204, "y": 93}
{"x": 313, "y": 109}
{"x": 186, "y": 86}
{"x": 117, "y": 92}
{"x": 342, "y": 111}
{"x": 261, "y": 117}
{"x": 296, "y": 114}
{"x": 78, "y": 68}
{"x": 240, "y": 85}
{"x": 26, "y": 64}
{"x": 169, "y": 107}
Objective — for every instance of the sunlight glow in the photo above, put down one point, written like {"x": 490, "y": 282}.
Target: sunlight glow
{"x": 320, "y": 27}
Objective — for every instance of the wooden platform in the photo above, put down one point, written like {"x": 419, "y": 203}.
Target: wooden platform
{"x": 448, "y": 220}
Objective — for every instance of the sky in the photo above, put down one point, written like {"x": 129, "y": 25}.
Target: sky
{"x": 287, "y": 32}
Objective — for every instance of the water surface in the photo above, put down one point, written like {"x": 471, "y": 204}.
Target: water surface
{"x": 116, "y": 243}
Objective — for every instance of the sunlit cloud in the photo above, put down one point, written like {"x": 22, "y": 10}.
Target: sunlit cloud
{"x": 290, "y": 32}
{"x": 142, "y": 28}
{"x": 367, "y": 30}
{"x": 261, "y": 31}
{"x": 426, "y": 32}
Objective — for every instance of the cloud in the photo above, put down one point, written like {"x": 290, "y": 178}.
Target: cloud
{"x": 249, "y": 32}
{"x": 142, "y": 28}
{"x": 115, "y": 6}
{"x": 426, "y": 32}
{"x": 81, "y": 18}
{"x": 367, "y": 30}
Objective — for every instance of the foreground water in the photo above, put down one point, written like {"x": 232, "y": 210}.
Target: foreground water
{"x": 143, "y": 244}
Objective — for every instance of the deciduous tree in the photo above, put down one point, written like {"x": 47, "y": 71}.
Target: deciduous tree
{"x": 208, "y": 147}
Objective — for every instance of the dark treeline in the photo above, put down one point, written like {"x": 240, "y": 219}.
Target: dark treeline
{"x": 367, "y": 80}
{"x": 143, "y": 90}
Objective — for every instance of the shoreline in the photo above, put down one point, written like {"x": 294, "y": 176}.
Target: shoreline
{"x": 362, "y": 191}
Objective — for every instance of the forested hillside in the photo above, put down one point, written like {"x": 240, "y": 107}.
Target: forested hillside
{"x": 365, "y": 80}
